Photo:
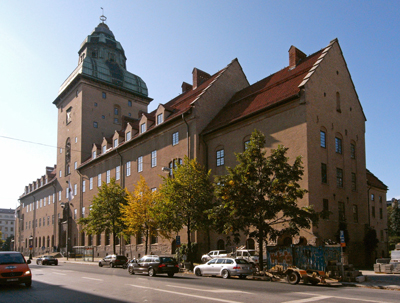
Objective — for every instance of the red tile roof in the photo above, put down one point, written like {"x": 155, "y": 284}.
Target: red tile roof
{"x": 264, "y": 93}
{"x": 373, "y": 181}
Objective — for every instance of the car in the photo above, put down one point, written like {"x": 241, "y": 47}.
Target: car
{"x": 250, "y": 255}
{"x": 114, "y": 261}
{"x": 154, "y": 265}
{"x": 225, "y": 267}
{"x": 214, "y": 254}
{"x": 47, "y": 260}
{"x": 14, "y": 268}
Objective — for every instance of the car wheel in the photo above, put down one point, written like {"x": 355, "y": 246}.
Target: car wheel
{"x": 28, "y": 284}
{"x": 225, "y": 274}
{"x": 130, "y": 270}
{"x": 100, "y": 264}
{"x": 197, "y": 272}
{"x": 152, "y": 272}
{"x": 170, "y": 274}
{"x": 293, "y": 277}
{"x": 37, "y": 262}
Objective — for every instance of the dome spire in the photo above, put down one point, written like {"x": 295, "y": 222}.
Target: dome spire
{"x": 102, "y": 17}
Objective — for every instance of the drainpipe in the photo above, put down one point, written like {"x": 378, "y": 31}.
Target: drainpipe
{"x": 55, "y": 216}
{"x": 369, "y": 217}
{"x": 34, "y": 225}
{"x": 122, "y": 177}
{"x": 187, "y": 136}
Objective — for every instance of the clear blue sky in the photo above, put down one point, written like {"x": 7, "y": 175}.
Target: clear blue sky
{"x": 165, "y": 40}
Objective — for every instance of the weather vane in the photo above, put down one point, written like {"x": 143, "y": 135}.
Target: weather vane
{"x": 102, "y": 17}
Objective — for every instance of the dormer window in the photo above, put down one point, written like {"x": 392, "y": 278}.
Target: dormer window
{"x": 115, "y": 143}
{"x": 143, "y": 128}
{"x": 159, "y": 119}
{"x": 94, "y": 155}
{"x": 104, "y": 149}
{"x": 128, "y": 136}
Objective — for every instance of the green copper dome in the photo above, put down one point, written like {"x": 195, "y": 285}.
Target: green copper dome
{"x": 103, "y": 58}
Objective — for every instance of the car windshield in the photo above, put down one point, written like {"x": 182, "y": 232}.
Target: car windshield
{"x": 253, "y": 253}
{"x": 241, "y": 261}
{"x": 11, "y": 259}
{"x": 167, "y": 259}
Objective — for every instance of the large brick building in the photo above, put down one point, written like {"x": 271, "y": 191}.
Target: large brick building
{"x": 105, "y": 131}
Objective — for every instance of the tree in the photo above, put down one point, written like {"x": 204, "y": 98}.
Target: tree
{"x": 1, "y": 239}
{"x": 259, "y": 196}
{"x": 185, "y": 198}
{"x": 393, "y": 225}
{"x": 139, "y": 214}
{"x": 105, "y": 212}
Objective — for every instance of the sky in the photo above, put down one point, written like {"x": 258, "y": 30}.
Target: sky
{"x": 165, "y": 40}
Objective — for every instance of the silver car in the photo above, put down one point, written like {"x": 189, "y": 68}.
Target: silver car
{"x": 225, "y": 267}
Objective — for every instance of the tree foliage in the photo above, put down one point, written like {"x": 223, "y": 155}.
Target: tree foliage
{"x": 139, "y": 214}
{"x": 6, "y": 245}
{"x": 259, "y": 196}
{"x": 105, "y": 212}
{"x": 185, "y": 198}
{"x": 395, "y": 221}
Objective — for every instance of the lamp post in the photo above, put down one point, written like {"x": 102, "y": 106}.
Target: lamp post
{"x": 30, "y": 247}
{"x": 66, "y": 207}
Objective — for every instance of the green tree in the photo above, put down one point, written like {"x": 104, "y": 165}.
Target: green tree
{"x": 259, "y": 196}
{"x": 395, "y": 221}
{"x": 105, "y": 212}
{"x": 1, "y": 239}
{"x": 139, "y": 214}
{"x": 185, "y": 198}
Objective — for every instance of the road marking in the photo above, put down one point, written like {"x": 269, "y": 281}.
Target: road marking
{"x": 212, "y": 290}
{"x": 92, "y": 279}
{"x": 319, "y": 297}
{"x": 58, "y": 273}
{"x": 183, "y": 294}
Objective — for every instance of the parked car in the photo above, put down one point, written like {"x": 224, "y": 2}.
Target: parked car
{"x": 249, "y": 255}
{"x": 154, "y": 265}
{"x": 225, "y": 267}
{"x": 14, "y": 268}
{"x": 114, "y": 261}
{"x": 214, "y": 254}
{"x": 47, "y": 260}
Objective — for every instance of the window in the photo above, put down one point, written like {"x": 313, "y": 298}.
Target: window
{"x": 323, "y": 139}
{"x": 142, "y": 128}
{"x": 373, "y": 211}
{"x": 342, "y": 214}
{"x": 44, "y": 201}
{"x": 94, "y": 155}
{"x": 338, "y": 145}
{"x": 117, "y": 172}
{"x": 83, "y": 186}
{"x": 75, "y": 214}
{"x": 352, "y": 151}
{"x": 75, "y": 189}
{"x": 353, "y": 181}
{"x": 246, "y": 144}
{"x": 60, "y": 174}
{"x": 103, "y": 117}
{"x": 220, "y": 157}
{"x": 108, "y": 176}
{"x": 91, "y": 183}
{"x": 115, "y": 143}
{"x": 83, "y": 212}
{"x": 128, "y": 168}
{"x": 129, "y": 103}
{"x": 116, "y": 121}
{"x": 128, "y": 136}
{"x": 325, "y": 205}
{"x": 380, "y": 213}
{"x": 75, "y": 165}
{"x": 372, "y": 197}
{"x": 339, "y": 177}
{"x": 140, "y": 164}
{"x": 382, "y": 238}
{"x": 324, "y": 175}
{"x": 95, "y": 125}
{"x": 355, "y": 214}
{"x": 154, "y": 158}
{"x": 59, "y": 195}
{"x": 116, "y": 111}
{"x": 380, "y": 199}
{"x": 104, "y": 95}
{"x": 95, "y": 104}
{"x": 104, "y": 149}
{"x": 159, "y": 119}
{"x": 52, "y": 219}
{"x": 48, "y": 220}
{"x": 175, "y": 138}
{"x": 99, "y": 180}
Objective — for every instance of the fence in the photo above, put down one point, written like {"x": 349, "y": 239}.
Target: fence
{"x": 305, "y": 257}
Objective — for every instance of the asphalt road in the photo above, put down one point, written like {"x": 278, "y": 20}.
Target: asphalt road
{"x": 88, "y": 283}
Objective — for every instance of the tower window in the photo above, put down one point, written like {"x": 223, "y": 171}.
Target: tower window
{"x": 104, "y": 95}
{"x": 129, "y": 103}
{"x": 94, "y": 54}
{"x": 95, "y": 125}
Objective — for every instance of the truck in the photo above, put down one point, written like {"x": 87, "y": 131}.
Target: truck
{"x": 214, "y": 254}
{"x": 250, "y": 255}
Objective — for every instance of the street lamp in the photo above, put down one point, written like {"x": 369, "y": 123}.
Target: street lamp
{"x": 30, "y": 247}
{"x": 66, "y": 206}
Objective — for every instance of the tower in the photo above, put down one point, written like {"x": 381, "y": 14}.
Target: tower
{"x": 91, "y": 103}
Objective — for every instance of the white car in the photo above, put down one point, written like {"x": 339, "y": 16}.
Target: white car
{"x": 225, "y": 267}
{"x": 214, "y": 254}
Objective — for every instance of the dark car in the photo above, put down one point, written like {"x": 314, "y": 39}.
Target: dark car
{"x": 14, "y": 268}
{"x": 154, "y": 265}
{"x": 47, "y": 260}
{"x": 114, "y": 261}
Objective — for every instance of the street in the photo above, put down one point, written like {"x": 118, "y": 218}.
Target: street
{"x": 71, "y": 282}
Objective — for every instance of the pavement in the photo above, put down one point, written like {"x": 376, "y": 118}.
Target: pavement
{"x": 371, "y": 279}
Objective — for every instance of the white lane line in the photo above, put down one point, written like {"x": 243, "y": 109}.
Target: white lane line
{"x": 319, "y": 297}
{"x": 212, "y": 290}
{"x": 58, "y": 273}
{"x": 92, "y": 279}
{"x": 183, "y": 294}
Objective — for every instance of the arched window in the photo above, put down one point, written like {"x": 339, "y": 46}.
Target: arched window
{"x": 221, "y": 244}
{"x": 174, "y": 164}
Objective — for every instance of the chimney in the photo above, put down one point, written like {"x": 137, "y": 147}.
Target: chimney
{"x": 186, "y": 87}
{"x": 199, "y": 77}
{"x": 295, "y": 55}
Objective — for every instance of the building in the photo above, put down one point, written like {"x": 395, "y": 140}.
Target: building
{"x": 7, "y": 222}
{"x": 105, "y": 131}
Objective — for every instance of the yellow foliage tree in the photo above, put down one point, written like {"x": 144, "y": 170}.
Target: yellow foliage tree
{"x": 139, "y": 213}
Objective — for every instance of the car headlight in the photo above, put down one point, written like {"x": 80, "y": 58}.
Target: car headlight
{"x": 28, "y": 272}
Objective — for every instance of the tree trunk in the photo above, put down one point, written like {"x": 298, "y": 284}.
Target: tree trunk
{"x": 113, "y": 233}
{"x": 260, "y": 245}
{"x": 189, "y": 256}
{"x": 146, "y": 241}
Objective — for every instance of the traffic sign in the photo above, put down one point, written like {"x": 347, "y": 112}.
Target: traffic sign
{"x": 178, "y": 241}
